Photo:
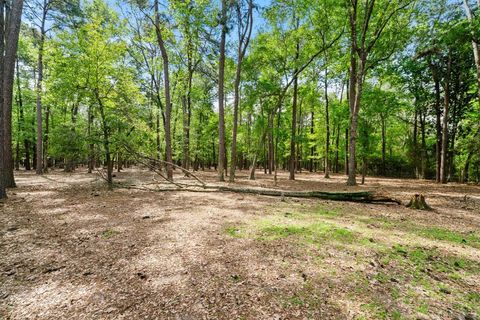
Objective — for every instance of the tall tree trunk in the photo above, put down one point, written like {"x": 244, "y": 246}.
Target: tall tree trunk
{"x": 423, "y": 165}
{"x": 275, "y": 150}
{"x": 298, "y": 153}
{"x": 221, "y": 95}
{"x": 312, "y": 131}
{"x": 243, "y": 41}
{"x": 337, "y": 142}
{"x": 3, "y": 193}
{"x": 466, "y": 168}
{"x": 346, "y": 151}
{"x": 187, "y": 109}
{"x": 352, "y": 98}
{"x": 236, "y": 102}
{"x": 294, "y": 115}
{"x": 157, "y": 133}
{"x": 438, "y": 123}
{"x": 384, "y": 144}
{"x": 355, "y": 98}
{"x": 294, "y": 130}
{"x": 9, "y": 33}
{"x": 185, "y": 155}
{"x": 327, "y": 125}
{"x": 26, "y": 142}
{"x": 46, "y": 139}
{"x": 71, "y": 162}
{"x": 416, "y": 150}
{"x": 106, "y": 141}
{"x": 91, "y": 155}
{"x": 166, "y": 83}
{"x": 364, "y": 169}
{"x": 39, "y": 168}
{"x": 446, "y": 106}
{"x": 271, "y": 160}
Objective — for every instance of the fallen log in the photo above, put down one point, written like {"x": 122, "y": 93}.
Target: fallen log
{"x": 359, "y": 196}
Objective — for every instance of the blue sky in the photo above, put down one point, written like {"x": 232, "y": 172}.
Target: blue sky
{"x": 258, "y": 19}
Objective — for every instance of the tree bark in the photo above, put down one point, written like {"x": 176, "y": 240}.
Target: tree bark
{"x": 294, "y": 111}
{"x": 166, "y": 82}
{"x": 423, "y": 165}
{"x": 26, "y": 142}
{"x": 9, "y": 33}
{"x": 187, "y": 105}
{"x": 312, "y": 131}
{"x": 327, "y": 125}
{"x": 3, "y": 193}
{"x": 384, "y": 144}
{"x": 446, "y": 106}
{"x": 271, "y": 160}
{"x": 91, "y": 146}
{"x": 337, "y": 142}
{"x": 416, "y": 150}
{"x": 438, "y": 124}
{"x": 360, "y": 196}
{"x": 106, "y": 141}
{"x": 243, "y": 41}
{"x": 221, "y": 95}
{"x": 355, "y": 108}
{"x": 39, "y": 89}
{"x": 346, "y": 151}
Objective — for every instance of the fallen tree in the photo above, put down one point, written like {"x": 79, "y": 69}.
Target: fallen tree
{"x": 156, "y": 166}
{"x": 360, "y": 196}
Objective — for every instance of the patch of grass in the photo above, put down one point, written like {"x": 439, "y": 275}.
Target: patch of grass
{"x": 376, "y": 309}
{"x": 327, "y": 212}
{"x": 318, "y": 232}
{"x": 295, "y": 301}
{"x": 234, "y": 232}
{"x": 380, "y": 221}
{"x": 423, "y": 308}
{"x": 473, "y": 297}
{"x": 427, "y": 260}
{"x": 109, "y": 233}
{"x": 436, "y": 233}
{"x": 470, "y": 239}
{"x": 396, "y": 315}
{"x": 275, "y": 232}
{"x": 312, "y": 214}
{"x": 435, "y": 272}
{"x": 471, "y": 302}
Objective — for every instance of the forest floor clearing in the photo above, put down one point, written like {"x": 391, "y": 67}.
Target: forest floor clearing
{"x": 71, "y": 249}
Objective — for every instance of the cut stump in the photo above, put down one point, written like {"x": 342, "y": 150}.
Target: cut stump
{"x": 418, "y": 202}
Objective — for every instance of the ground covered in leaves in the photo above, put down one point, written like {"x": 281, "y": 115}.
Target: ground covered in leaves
{"x": 72, "y": 249}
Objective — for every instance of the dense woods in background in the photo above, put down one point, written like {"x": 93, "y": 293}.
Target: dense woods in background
{"x": 365, "y": 87}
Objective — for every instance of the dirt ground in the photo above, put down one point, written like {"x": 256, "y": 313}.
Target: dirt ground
{"x": 72, "y": 249}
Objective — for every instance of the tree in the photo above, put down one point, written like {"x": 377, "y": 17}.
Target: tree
{"x": 245, "y": 27}
{"x": 41, "y": 12}
{"x": 10, "y": 21}
{"x": 367, "y": 25}
{"x": 166, "y": 83}
{"x": 221, "y": 93}
{"x": 475, "y": 40}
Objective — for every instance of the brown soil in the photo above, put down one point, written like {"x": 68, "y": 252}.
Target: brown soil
{"x": 71, "y": 249}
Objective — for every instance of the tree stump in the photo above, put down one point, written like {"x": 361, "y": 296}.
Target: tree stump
{"x": 418, "y": 202}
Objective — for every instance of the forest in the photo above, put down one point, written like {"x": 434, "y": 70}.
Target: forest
{"x": 240, "y": 159}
